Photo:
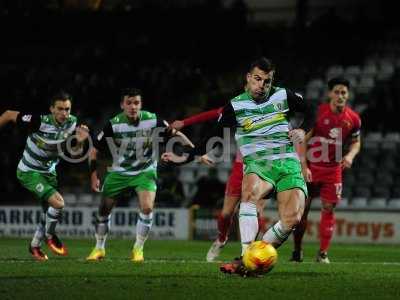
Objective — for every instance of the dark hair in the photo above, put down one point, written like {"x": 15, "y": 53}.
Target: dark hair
{"x": 130, "y": 92}
{"x": 60, "y": 96}
{"x": 338, "y": 80}
{"x": 262, "y": 63}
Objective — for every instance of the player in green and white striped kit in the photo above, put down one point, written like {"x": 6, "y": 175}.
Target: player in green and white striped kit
{"x": 130, "y": 136}
{"x": 37, "y": 168}
{"x": 260, "y": 118}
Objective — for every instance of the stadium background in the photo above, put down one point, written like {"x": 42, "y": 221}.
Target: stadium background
{"x": 189, "y": 56}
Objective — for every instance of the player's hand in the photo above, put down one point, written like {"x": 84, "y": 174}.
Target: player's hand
{"x": 95, "y": 182}
{"x": 82, "y": 133}
{"x": 306, "y": 174}
{"x": 297, "y": 136}
{"x": 178, "y": 125}
{"x": 346, "y": 162}
{"x": 205, "y": 159}
{"x": 172, "y": 157}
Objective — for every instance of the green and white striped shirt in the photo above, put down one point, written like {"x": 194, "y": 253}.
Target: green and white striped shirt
{"x": 44, "y": 144}
{"x": 262, "y": 131}
{"x": 130, "y": 144}
{"x": 261, "y": 128}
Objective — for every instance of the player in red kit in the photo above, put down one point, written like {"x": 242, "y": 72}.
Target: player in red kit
{"x": 336, "y": 125}
{"x": 233, "y": 189}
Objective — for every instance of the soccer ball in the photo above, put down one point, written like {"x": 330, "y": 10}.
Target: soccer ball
{"x": 260, "y": 257}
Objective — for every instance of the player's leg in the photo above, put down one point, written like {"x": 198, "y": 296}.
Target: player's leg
{"x": 102, "y": 227}
{"x": 44, "y": 186}
{"x": 300, "y": 229}
{"x": 144, "y": 223}
{"x": 290, "y": 207}
{"x": 38, "y": 238}
{"x": 114, "y": 184}
{"x": 53, "y": 217}
{"x": 224, "y": 223}
{"x": 253, "y": 189}
{"x": 291, "y": 193}
{"x": 145, "y": 185}
{"x": 262, "y": 221}
{"x": 330, "y": 196}
{"x": 233, "y": 192}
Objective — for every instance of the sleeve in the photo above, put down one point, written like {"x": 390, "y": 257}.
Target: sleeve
{"x": 27, "y": 121}
{"x": 227, "y": 119}
{"x": 297, "y": 104}
{"x": 100, "y": 141}
{"x": 356, "y": 130}
{"x": 164, "y": 132}
{"x": 203, "y": 117}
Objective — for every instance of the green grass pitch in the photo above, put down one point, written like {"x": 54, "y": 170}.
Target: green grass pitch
{"x": 177, "y": 270}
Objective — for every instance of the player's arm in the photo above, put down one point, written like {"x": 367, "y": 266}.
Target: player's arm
{"x": 301, "y": 149}
{"x": 297, "y": 104}
{"x": 171, "y": 131}
{"x": 354, "y": 148}
{"x": 81, "y": 134}
{"x": 27, "y": 121}
{"x": 7, "y": 117}
{"x": 195, "y": 119}
{"x": 99, "y": 145}
{"x": 226, "y": 120}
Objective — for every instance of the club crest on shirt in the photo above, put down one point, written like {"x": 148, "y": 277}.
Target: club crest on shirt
{"x": 334, "y": 133}
{"x": 326, "y": 121}
{"x": 346, "y": 124}
{"x": 278, "y": 106}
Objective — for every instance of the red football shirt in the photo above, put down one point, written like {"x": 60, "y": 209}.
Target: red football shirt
{"x": 331, "y": 132}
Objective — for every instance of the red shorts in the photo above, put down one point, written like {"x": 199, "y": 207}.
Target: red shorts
{"x": 233, "y": 186}
{"x": 326, "y": 182}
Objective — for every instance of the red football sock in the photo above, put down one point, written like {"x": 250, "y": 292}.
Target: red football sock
{"x": 326, "y": 227}
{"x": 262, "y": 224}
{"x": 224, "y": 224}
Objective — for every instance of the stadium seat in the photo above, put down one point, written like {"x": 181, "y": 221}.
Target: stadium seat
{"x": 344, "y": 203}
{"x": 394, "y": 203}
{"x": 359, "y": 202}
{"x": 377, "y": 203}
{"x": 392, "y": 137}
{"x": 317, "y": 83}
{"x": 312, "y": 94}
{"x": 386, "y": 71}
{"x": 334, "y": 71}
{"x": 365, "y": 85}
{"x": 365, "y": 177}
{"x": 70, "y": 199}
{"x": 85, "y": 199}
{"x": 223, "y": 174}
{"x": 186, "y": 175}
{"x": 375, "y": 136}
{"x": 395, "y": 192}
{"x": 362, "y": 191}
{"x": 316, "y": 203}
{"x": 369, "y": 70}
{"x": 352, "y": 71}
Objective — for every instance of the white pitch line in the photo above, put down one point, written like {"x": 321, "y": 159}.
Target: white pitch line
{"x": 183, "y": 261}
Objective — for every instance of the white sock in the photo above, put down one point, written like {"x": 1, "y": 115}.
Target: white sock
{"x": 53, "y": 216}
{"x": 277, "y": 234}
{"x": 102, "y": 228}
{"x": 143, "y": 227}
{"x": 248, "y": 223}
{"x": 39, "y": 233}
